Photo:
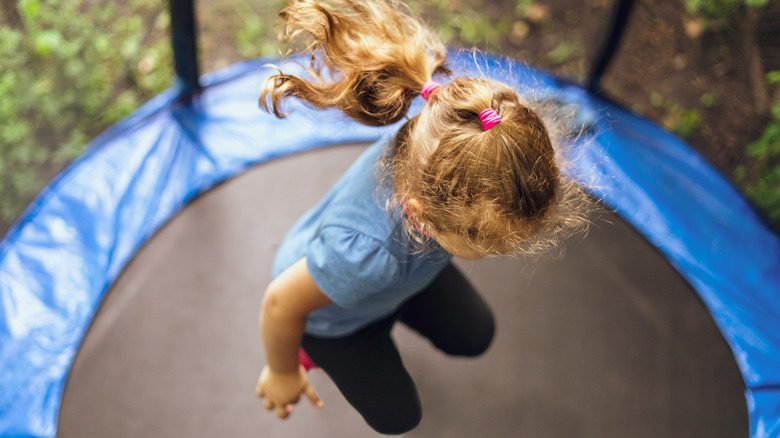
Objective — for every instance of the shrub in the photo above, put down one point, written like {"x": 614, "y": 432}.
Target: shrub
{"x": 68, "y": 70}
{"x": 762, "y": 185}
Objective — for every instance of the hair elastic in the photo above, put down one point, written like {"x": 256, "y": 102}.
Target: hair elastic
{"x": 428, "y": 88}
{"x": 489, "y": 118}
{"x": 416, "y": 224}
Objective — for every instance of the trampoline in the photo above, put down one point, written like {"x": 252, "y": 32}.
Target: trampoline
{"x": 131, "y": 286}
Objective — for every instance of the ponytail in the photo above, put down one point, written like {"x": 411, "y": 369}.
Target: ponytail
{"x": 368, "y": 59}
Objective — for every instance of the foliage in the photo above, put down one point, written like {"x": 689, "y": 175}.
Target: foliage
{"x": 721, "y": 7}
{"x": 763, "y": 186}
{"x": 464, "y": 22}
{"x": 253, "y": 25}
{"x": 680, "y": 120}
{"x": 566, "y": 51}
{"x": 69, "y": 69}
{"x": 253, "y": 39}
{"x": 762, "y": 183}
{"x": 717, "y": 14}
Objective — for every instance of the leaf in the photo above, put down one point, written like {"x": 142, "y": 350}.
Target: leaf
{"x": 776, "y": 111}
{"x": 565, "y": 51}
{"x": 10, "y": 39}
{"x": 29, "y": 9}
{"x": 15, "y": 132}
{"x": 48, "y": 42}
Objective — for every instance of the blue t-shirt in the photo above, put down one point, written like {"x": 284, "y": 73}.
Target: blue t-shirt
{"x": 358, "y": 252}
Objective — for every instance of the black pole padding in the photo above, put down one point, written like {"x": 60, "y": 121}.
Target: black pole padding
{"x": 621, "y": 10}
{"x": 185, "y": 44}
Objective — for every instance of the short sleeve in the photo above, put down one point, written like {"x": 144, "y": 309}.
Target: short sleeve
{"x": 349, "y": 266}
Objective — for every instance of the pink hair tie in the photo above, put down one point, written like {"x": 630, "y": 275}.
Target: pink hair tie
{"x": 428, "y": 88}
{"x": 489, "y": 118}
{"x": 408, "y": 214}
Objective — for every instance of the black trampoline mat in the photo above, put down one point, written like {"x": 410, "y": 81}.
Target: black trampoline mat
{"x": 608, "y": 341}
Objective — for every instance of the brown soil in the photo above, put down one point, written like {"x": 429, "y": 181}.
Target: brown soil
{"x": 659, "y": 61}
{"x": 658, "y": 71}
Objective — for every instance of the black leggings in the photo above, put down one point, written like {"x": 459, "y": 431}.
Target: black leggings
{"x": 367, "y": 369}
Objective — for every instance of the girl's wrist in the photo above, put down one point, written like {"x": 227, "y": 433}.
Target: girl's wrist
{"x": 284, "y": 370}
{"x": 283, "y": 373}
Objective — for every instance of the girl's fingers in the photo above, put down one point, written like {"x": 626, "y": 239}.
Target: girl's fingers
{"x": 268, "y": 404}
{"x": 312, "y": 395}
{"x": 283, "y": 411}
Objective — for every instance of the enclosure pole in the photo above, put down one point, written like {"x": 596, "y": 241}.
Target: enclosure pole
{"x": 609, "y": 44}
{"x": 185, "y": 45}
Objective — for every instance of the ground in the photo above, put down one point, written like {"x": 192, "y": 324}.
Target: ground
{"x": 706, "y": 86}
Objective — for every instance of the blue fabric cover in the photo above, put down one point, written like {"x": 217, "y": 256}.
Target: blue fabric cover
{"x": 76, "y": 237}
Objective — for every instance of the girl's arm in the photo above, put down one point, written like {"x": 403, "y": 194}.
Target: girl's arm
{"x": 288, "y": 299}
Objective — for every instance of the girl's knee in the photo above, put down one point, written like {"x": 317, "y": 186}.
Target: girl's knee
{"x": 396, "y": 423}
{"x": 475, "y": 343}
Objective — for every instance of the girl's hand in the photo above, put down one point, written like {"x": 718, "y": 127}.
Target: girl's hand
{"x": 282, "y": 390}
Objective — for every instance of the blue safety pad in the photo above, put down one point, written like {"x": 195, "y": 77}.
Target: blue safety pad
{"x": 74, "y": 240}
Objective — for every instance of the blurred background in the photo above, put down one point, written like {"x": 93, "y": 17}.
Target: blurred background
{"x": 707, "y": 70}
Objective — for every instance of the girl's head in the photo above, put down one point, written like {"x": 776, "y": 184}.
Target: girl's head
{"x": 489, "y": 189}
{"x": 476, "y": 191}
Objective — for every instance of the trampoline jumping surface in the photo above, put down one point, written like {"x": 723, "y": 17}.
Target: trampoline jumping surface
{"x": 608, "y": 341}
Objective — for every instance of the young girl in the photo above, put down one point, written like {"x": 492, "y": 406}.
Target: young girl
{"x": 473, "y": 175}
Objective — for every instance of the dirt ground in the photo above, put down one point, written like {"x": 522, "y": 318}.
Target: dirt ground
{"x": 659, "y": 57}
{"x": 708, "y": 87}
{"x": 667, "y": 75}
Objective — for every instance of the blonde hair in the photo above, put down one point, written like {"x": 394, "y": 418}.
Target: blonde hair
{"x": 501, "y": 189}
{"x": 380, "y": 59}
